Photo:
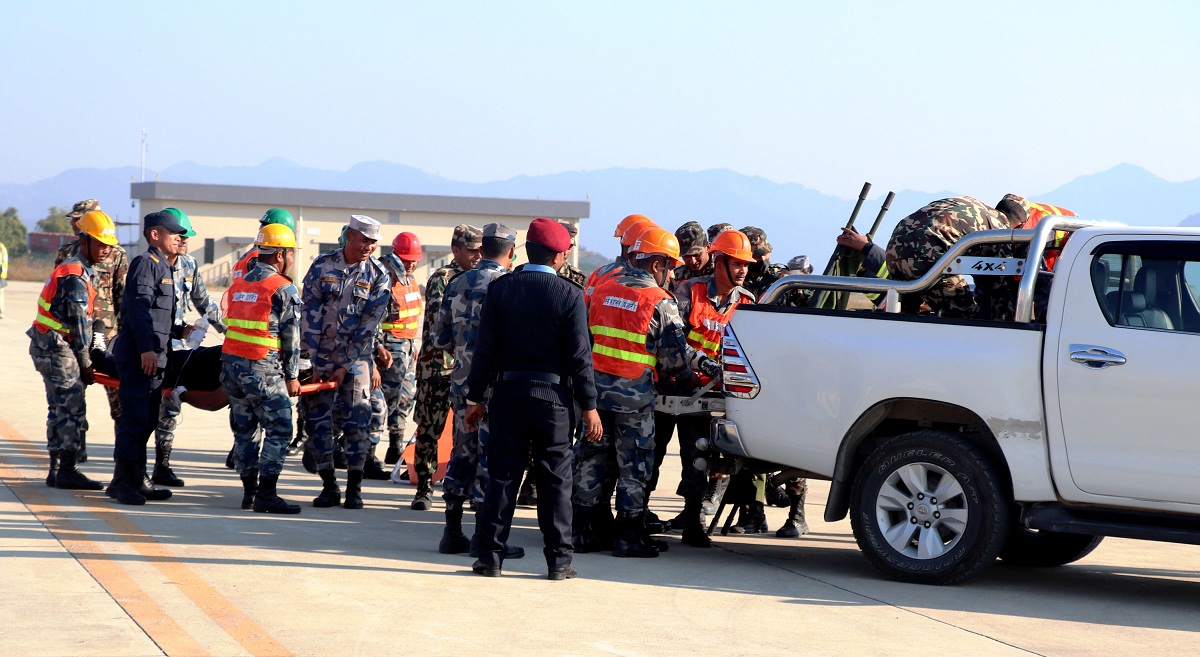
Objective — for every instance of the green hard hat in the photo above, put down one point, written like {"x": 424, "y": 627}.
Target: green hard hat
{"x": 184, "y": 220}
{"x": 278, "y": 216}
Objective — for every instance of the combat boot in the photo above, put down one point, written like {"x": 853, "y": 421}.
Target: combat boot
{"x": 423, "y": 500}
{"x": 353, "y": 488}
{"x": 603, "y": 526}
{"x": 454, "y": 541}
{"x": 269, "y": 501}
{"x": 694, "y": 532}
{"x": 751, "y": 520}
{"x": 163, "y": 474}
{"x": 392, "y": 456}
{"x": 331, "y": 494}
{"x": 796, "y": 526}
{"x": 713, "y": 494}
{"x": 656, "y": 525}
{"x": 53, "y": 473}
{"x": 147, "y": 488}
{"x": 629, "y": 541}
{"x": 373, "y": 469}
{"x": 69, "y": 478}
{"x": 297, "y": 443}
{"x": 528, "y": 493}
{"x": 510, "y": 551}
{"x": 126, "y": 483}
{"x": 249, "y": 488}
{"x": 584, "y": 538}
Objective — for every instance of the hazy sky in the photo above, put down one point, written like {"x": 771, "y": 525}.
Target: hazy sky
{"x": 972, "y": 97}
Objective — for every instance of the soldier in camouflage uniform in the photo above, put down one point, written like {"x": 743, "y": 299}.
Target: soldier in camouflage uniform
{"x": 260, "y": 368}
{"x": 693, "y": 248}
{"x": 109, "y": 282}
{"x": 569, "y": 271}
{"x": 925, "y": 235}
{"x": 399, "y": 387}
{"x": 189, "y": 292}
{"x": 639, "y": 337}
{"x": 627, "y": 231}
{"x": 762, "y": 273}
{"x": 456, "y": 328}
{"x": 60, "y": 340}
{"x": 345, "y": 298}
{"x": 435, "y": 365}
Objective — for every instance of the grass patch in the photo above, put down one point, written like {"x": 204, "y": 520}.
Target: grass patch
{"x": 29, "y": 267}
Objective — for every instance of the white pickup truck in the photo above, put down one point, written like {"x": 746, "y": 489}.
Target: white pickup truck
{"x": 952, "y": 442}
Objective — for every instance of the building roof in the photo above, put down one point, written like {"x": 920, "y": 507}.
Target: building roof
{"x": 319, "y": 198}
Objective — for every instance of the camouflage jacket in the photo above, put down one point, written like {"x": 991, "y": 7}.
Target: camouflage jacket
{"x": 190, "y": 292}
{"x": 284, "y": 323}
{"x": 70, "y": 307}
{"x": 573, "y": 274}
{"x": 343, "y": 306}
{"x": 756, "y": 284}
{"x": 109, "y": 282}
{"x": 457, "y": 323}
{"x": 433, "y": 359}
{"x": 923, "y": 236}
{"x": 666, "y": 339}
{"x": 685, "y": 273}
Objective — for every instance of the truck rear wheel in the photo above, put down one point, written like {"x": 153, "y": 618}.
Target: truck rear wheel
{"x": 1040, "y": 549}
{"x": 928, "y": 508}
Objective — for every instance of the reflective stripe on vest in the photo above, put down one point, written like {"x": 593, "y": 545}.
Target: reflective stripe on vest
{"x": 46, "y": 320}
{"x": 707, "y": 324}
{"x": 619, "y": 318}
{"x": 249, "y": 317}
{"x": 409, "y": 305}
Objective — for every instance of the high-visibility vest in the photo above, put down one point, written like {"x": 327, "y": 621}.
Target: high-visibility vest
{"x": 46, "y": 320}
{"x": 249, "y": 318}
{"x": 707, "y": 324}
{"x": 600, "y": 275}
{"x": 619, "y": 318}
{"x": 243, "y": 265}
{"x": 1036, "y": 212}
{"x": 406, "y": 323}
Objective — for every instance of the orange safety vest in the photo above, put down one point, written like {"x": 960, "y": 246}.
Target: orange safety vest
{"x": 407, "y": 321}
{"x": 249, "y": 318}
{"x": 595, "y": 278}
{"x": 243, "y": 265}
{"x": 619, "y": 318}
{"x": 1036, "y": 212}
{"x": 707, "y": 324}
{"x": 45, "y": 319}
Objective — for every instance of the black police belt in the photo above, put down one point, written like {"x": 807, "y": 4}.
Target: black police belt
{"x": 522, "y": 375}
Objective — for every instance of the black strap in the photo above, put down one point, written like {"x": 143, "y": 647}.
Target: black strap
{"x": 521, "y": 375}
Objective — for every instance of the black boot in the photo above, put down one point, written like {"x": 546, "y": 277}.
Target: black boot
{"x": 148, "y": 490}
{"x": 630, "y": 541}
{"x": 53, "y": 473}
{"x": 423, "y": 500}
{"x": 126, "y": 483}
{"x": 584, "y": 534}
{"x": 510, "y": 551}
{"x": 753, "y": 520}
{"x": 353, "y": 487}
{"x": 713, "y": 494}
{"x": 656, "y": 525}
{"x": 69, "y": 478}
{"x": 528, "y": 493}
{"x": 373, "y": 469}
{"x": 331, "y": 494}
{"x": 796, "y": 526}
{"x": 454, "y": 541}
{"x": 249, "y": 488}
{"x": 694, "y": 532}
{"x": 603, "y": 525}
{"x": 392, "y": 457}
{"x": 163, "y": 474}
{"x": 268, "y": 501}
{"x": 297, "y": 443}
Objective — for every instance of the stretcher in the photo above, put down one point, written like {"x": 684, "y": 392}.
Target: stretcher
{"x": 212, "y": 400}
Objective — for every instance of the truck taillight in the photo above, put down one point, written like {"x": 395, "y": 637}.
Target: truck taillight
{"x": 738, "y": 377}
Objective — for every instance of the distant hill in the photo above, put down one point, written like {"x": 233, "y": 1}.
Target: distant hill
{"x": 798, "y": 220}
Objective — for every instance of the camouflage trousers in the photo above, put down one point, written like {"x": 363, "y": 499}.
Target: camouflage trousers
{"x": 796, "y": 486}
{"x": 348, "y": 409}
{"x": 399, "y": 388}
{"x": 66, "y": 418}
{"x": 627, "y": 444}
{"x": 429, "y": 414}
{"x": 257, "y": 400}
{"x": 466, "y": 474}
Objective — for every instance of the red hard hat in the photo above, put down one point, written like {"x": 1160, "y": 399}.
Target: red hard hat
{"x": 406, "y": 246}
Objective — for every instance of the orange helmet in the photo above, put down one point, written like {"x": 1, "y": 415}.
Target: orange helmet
{"x": 635, "y": 231}
{"x": 656, "y": 241}
{"x": 733, "y": 244}
{"x": 406, "y": 246}
{"x": 629, "y": 221}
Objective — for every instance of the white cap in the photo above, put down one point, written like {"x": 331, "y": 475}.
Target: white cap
{"x": 365, "y": 225}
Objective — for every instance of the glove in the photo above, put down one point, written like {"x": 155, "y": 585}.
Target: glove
{"x": 710, "y": 368}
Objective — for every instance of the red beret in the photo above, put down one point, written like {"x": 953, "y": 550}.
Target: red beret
{"x": 550, "y": 234}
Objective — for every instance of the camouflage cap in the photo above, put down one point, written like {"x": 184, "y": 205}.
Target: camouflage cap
{"x": 692, "y": 238}
{"x": 800, "y": 264}
{"x": 1015, "y": 209}
{"x": 500, "y": 232}
{"x": 758, "y": 241}
{"x": 83, "y": 207}
{"x": 468, "y": 236}
{"x": 572, "y": 229}
{"x": 717, "y": 229}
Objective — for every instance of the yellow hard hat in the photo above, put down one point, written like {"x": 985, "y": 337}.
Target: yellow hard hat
{"x": 275, "y": 236}
{"x": 99, "y": 226}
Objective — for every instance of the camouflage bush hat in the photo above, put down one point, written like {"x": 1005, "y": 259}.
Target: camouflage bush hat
{"x": 692, "y": 238}
{"x": 83, "y": 207}
{"x": 572, "y": 229}
{"x": 1015, "y": 209}
{"x": 467, "y": 236}
{"x": 758, "y": 241}
{"x": 717, "y": 229}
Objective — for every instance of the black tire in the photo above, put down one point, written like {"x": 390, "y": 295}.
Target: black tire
{"x": 1040, "y": 549}
{"x": 952, "y": 539}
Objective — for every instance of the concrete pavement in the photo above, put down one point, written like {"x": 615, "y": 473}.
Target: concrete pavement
{"x": 198, "y": 576}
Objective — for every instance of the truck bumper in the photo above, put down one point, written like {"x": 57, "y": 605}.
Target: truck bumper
{"x": 725, "y": 437}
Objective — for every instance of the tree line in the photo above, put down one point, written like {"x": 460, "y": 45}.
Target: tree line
{"x": 14, "y": 236}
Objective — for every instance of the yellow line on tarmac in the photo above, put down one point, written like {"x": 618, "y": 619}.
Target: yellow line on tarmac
{"x": 169, "y": 635}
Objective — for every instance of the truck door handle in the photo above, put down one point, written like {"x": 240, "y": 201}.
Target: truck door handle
{"x": 1098, "y": 358}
